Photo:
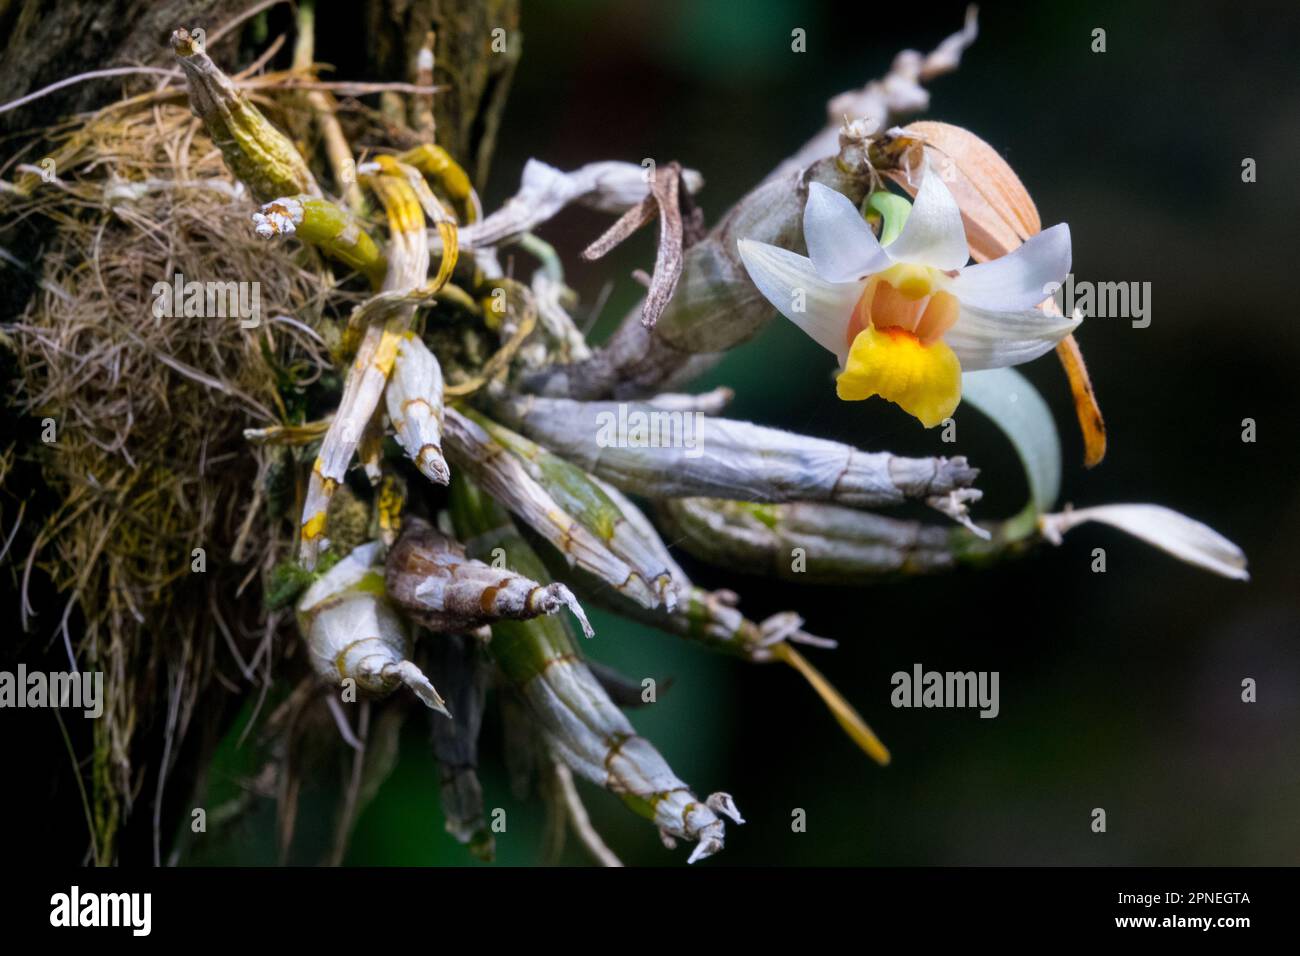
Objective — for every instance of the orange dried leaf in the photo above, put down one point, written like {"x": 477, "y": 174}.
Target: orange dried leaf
{"x": 995, "y": 206}
{"x": 1086, "y": 408}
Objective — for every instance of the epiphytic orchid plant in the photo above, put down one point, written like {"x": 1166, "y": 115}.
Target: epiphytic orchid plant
{"x": 518, "y": 435}
{"x": 500, "y": 452}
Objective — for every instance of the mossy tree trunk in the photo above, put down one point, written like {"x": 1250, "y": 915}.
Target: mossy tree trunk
{"x": 48, "y": 42}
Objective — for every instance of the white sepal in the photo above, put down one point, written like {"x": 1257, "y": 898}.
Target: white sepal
{"x": 791, "y": 283}
{"x": 933, "y": 234}
{"x": 841, "y": 245}
{"x": 986, "y": 339}
{"x": 1022, "y": 278}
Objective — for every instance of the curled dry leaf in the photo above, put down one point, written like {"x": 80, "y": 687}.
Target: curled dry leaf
{"x": 666, "y": 199}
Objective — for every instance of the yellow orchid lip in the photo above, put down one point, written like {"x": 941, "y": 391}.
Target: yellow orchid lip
{"x": 896, "y": 348}
{"x": 894, "y": 363}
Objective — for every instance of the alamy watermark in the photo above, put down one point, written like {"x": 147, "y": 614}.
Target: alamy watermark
{"x": 181, "y": 299}
{"x": 82, "y": 691}
{"x": 75, "y": 908}
{"x": 639, "y": 428}
{"x": 1103, "y": 300}
{"x": 922, "y": 688}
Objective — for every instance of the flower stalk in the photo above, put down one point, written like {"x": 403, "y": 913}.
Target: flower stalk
{"x": 827, "y": 544}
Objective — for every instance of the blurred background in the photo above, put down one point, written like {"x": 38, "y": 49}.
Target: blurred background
{"x": 1119, "y": 690}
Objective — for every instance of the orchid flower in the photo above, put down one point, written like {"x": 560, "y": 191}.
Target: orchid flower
{"x": 907, "y": 318}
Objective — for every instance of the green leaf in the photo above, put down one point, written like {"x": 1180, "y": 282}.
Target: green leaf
{"x": 1015, "y": 406}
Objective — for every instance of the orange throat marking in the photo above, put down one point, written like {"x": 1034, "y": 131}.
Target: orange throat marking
{"x": 918, "y": 312}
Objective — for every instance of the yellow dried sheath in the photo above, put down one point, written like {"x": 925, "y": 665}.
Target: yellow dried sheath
{"x": 257, "y": 153}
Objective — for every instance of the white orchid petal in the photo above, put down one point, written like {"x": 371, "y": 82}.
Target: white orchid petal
{"x": 1183, "y": 537}
{"x": 1022, "y": 278}
{"x": 983, "y": 338}
{"x": 933, "y": 234}
{"x": 840, "y": 243}
{"x": 789, "y": 280}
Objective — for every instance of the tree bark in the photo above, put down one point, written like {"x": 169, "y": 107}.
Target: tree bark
{"x": 47, "y": 44}
{"x": 478, "y": 45}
